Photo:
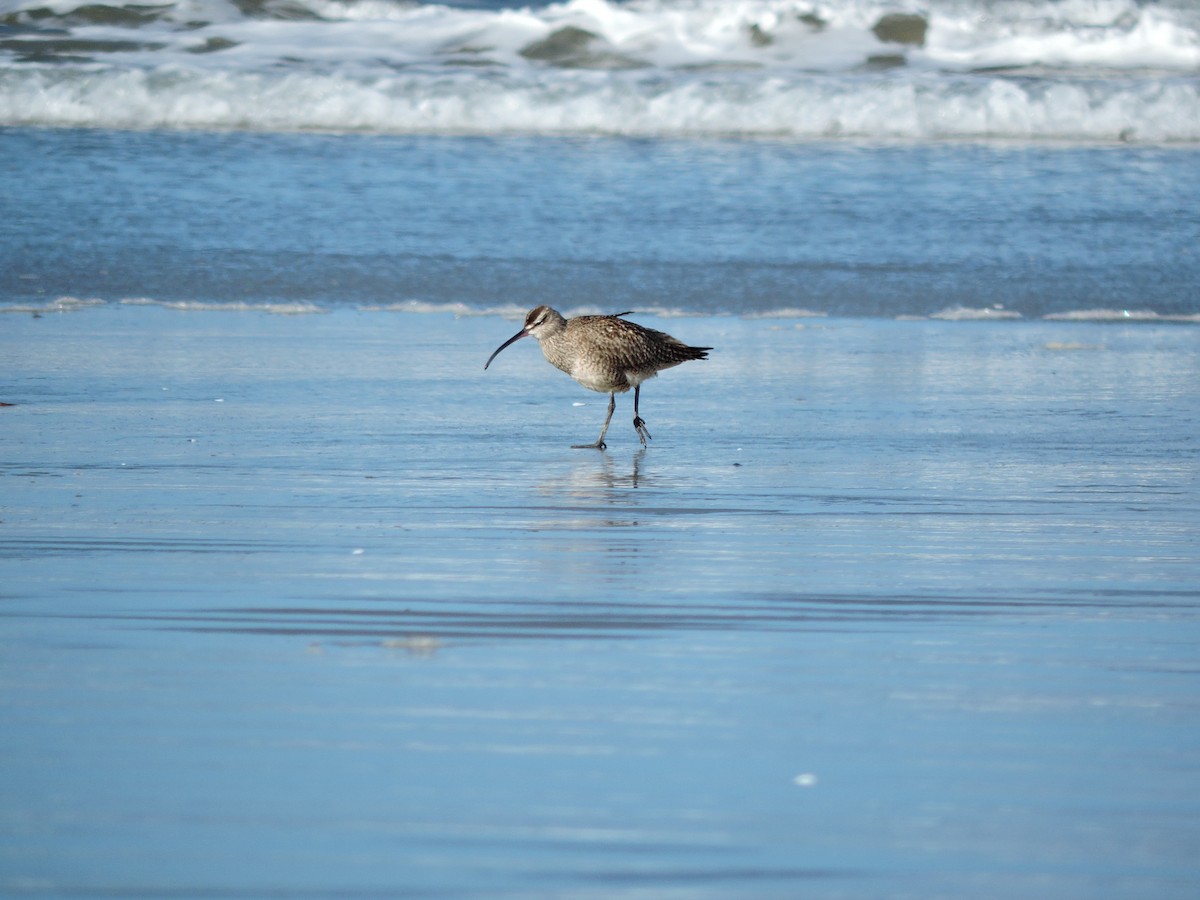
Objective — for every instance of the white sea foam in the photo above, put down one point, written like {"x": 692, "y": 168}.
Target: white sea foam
{"x": 458, "y": 310}
{"x": 60, "y": 305}
{"x": 297, "y": 308}
{"x": 1071, "y": 70}
{"x": 967, "y": 314}
{"x": 786, "y": 313}
{"x": 1120, "y": 315}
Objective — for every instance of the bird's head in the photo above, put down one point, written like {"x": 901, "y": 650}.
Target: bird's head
{"x": 540, "y": 322}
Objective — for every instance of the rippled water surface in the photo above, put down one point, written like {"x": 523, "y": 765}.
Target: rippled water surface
{"x": 716, "y": 227}
{"x": 312, "y": 606}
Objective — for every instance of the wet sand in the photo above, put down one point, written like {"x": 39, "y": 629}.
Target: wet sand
{"x": 313, "y": 605}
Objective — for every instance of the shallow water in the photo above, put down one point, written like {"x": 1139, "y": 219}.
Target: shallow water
{"x": 314, "y": 605}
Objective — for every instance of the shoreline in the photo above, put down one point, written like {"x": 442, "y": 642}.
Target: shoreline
{"x": 515, "y": 312}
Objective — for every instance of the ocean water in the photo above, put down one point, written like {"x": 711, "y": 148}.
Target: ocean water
{"x": 296, "y": 600}
{"x": 472, "y": 224}
{"x": 957, "y": 158}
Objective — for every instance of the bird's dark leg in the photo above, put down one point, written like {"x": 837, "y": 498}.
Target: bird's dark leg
{"x": 639, "y": 424}
{"x": 600, "y": 445}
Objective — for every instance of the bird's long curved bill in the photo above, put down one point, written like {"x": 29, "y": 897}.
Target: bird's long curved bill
{"x": 516, "y": 337}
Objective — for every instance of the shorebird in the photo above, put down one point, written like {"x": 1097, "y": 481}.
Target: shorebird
{"x": 605, "y": 354}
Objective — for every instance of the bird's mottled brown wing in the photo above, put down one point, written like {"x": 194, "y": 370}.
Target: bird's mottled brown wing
{"x": 630, "y": 346}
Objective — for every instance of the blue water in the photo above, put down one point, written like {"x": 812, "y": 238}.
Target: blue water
{"x": 312, "y": 605}
{"x": 694, "y": 226}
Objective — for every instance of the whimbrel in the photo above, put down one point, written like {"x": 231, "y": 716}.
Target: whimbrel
{"x": 605, "y": 354}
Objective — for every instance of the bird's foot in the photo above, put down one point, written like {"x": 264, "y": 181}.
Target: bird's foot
{"x": 643, "y": 434}
{"x": 599, "y": 445}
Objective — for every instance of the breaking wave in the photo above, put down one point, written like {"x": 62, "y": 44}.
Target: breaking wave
{"x": 1076, "y": 70}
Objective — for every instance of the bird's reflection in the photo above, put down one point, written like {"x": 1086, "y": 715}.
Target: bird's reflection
{"x": 600, "y": 478}
{"x": 592, "y": 518}
{"x": 607, "y": 474}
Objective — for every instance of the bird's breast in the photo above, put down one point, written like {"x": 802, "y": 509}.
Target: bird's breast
{"x": 594, "y": 365}
{"x": 598, "y": 377}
